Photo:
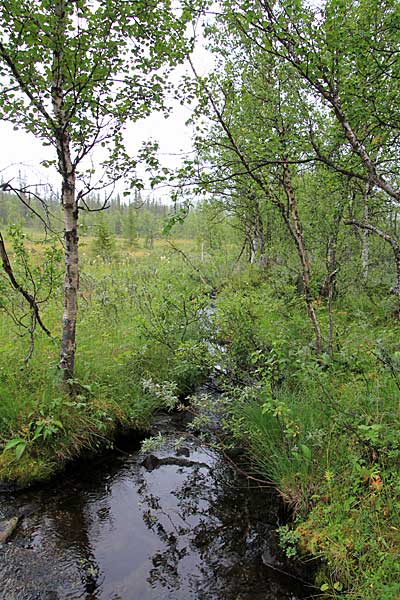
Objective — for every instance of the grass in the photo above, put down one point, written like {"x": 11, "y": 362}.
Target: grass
{"x": 325, "y": 432}
{"x": 140, "y": 320}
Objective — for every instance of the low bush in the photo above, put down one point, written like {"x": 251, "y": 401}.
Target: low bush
{"x": 323, "y": 429}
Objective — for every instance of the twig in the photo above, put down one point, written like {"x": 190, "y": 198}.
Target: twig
{"x": 30, "y": 299}
{"x": 288, "y": 574}
{"x": 203, "y": 278}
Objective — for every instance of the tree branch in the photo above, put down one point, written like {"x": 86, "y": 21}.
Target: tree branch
{"x": 28, "y": 297}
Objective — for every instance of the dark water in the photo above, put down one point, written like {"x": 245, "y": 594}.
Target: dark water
{"x": 185, "y": 528}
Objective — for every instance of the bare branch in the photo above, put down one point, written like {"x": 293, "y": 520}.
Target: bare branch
{"x": 28, "y": 297}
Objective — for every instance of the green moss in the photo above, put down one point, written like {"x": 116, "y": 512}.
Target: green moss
{"x": 26, "y": 470}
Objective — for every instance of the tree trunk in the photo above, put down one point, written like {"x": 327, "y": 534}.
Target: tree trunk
{"x": 393, "y": 243}
{"x": 68, "y": 200}
{"x": 71, "y": 281}
{"x": 365, "y": 234}
{"x": 359, "y": 149}
{"x": 328, "y": 288}
{"x": 295, "y": 229}
{"x": 261, "y": 240}
{"x": 257, "y": 236}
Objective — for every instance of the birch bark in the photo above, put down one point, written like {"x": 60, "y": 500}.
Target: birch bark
{"x": 68, "y": 199}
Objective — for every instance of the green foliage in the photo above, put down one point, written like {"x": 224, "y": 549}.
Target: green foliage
{"x": 164, "y": 392}
{"x": 40, "y": 280}
{"x": 94, "y": 45}
{"x": 103, "y": 244}
{"x": 153, "y": 443}
{"x": 42, "y": 428}
{"x": 288, "y": 540}
{"x": 324, "y": 430}
{"x": 141, "y": 342}
{"x": 296, "y": 138}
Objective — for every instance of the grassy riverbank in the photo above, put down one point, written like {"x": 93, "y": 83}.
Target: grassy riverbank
{"x": 140, "y": 348}
{"x": 324, "y": 431}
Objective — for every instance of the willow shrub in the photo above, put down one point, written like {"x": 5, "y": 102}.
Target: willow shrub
{"x": 323, "y": 429}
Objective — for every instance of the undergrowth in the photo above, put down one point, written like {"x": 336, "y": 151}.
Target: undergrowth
{"x": 324, "y": 431}
{"x": 140, "y": 334}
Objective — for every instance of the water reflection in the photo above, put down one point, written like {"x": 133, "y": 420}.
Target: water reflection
{"x": 186, "y": 529}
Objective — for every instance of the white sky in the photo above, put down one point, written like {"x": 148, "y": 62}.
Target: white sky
{"x": 21, "y": 153}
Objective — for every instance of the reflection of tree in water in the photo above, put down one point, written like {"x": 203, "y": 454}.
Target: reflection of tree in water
{"x": 209, "y": 529}
{"x": 219, "y": 528}
{"x": 74, "y": 523}
{"x": 165, "y": 564}
{"x": 74, "y": 533}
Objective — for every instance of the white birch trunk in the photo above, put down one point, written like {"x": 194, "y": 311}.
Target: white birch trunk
{"x": 296, "y": 231}
{"x": 68, "y": 200}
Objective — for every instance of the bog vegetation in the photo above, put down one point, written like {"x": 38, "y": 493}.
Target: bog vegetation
{"x": 288, "y": 223}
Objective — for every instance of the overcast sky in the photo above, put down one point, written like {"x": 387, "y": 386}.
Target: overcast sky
{"x": 21, "y": 153}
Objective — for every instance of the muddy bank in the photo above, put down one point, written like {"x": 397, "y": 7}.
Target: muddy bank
{"x": 176, "y": 525}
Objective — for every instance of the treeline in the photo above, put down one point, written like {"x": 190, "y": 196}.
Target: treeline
{"x": 138, "y": 221}
{"x": 141, "y": 217}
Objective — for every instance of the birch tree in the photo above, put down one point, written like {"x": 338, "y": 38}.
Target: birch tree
{"x": 73, "y": 74}
{"x": 256, "y": 137}
{"x": 346, "y": 55}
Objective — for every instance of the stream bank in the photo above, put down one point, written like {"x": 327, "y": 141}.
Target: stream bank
{"x": 174, "y": 525}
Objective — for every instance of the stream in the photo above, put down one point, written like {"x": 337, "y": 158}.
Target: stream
{"x": 178, "y": 524}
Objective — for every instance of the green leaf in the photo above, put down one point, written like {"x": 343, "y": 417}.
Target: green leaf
{"x": 306, "y": 451}
{"x": 86, "y": 386}
{"x": 14, "y": 442}
{"x": 38, "y": 432}
{"x": 324, "y": 587}
{"x": 338, "y": 586}
{"x": 20, "y": 449}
